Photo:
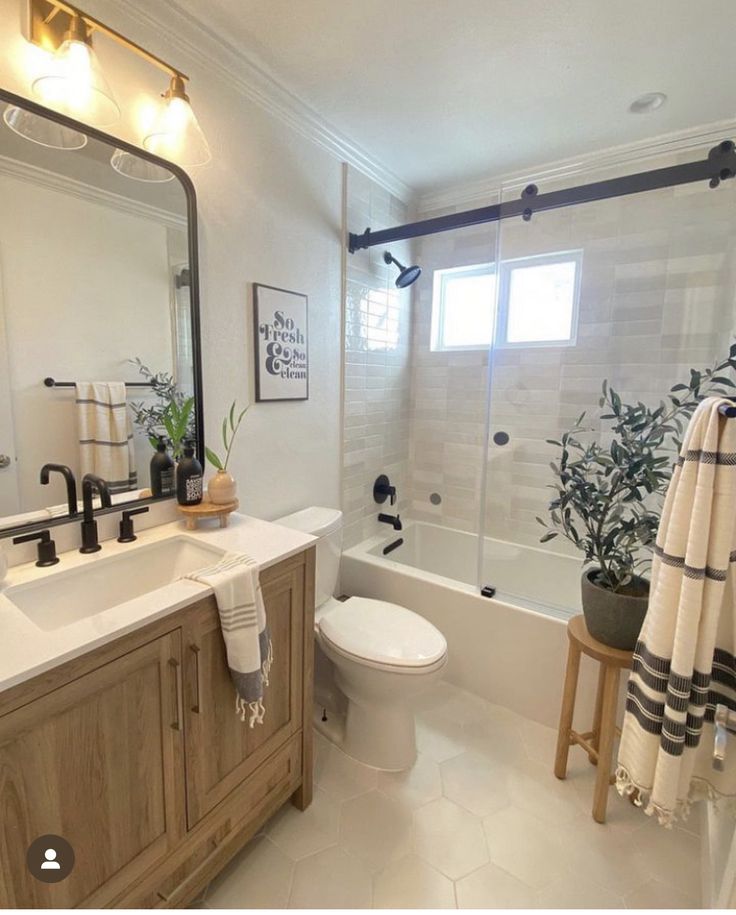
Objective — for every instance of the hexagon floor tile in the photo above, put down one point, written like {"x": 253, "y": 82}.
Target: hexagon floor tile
{"x": 479, "y": 822}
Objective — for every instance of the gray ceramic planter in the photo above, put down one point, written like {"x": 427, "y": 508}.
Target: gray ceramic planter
{"x": 614, "y": 619}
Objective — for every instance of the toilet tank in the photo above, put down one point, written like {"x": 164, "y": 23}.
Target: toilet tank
{"x": 326, "y": 524}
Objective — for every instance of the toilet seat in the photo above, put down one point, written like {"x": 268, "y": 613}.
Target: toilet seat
{"x": 383, "y": 635}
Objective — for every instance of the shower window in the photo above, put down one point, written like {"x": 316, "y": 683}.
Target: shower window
{"x": 463, "y": 299}
{"x": 537, "y": 303}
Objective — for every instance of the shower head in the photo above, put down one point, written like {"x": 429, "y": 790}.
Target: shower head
{"x": 407, "y": 275}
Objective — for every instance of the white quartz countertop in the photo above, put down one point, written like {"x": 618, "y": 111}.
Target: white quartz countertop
{"x": 27, "y": 650}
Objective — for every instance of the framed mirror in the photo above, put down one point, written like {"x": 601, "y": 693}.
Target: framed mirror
{"x": 99, "y": 313}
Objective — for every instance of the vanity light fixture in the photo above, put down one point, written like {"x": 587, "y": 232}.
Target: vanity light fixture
{"x": 74, "y": 84}
{"x": 176, "y": 134}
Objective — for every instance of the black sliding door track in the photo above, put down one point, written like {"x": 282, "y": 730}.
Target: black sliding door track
{"x": 719, "y": 165}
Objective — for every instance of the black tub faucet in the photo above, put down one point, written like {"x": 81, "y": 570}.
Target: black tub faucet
{"x": 393, "y": 520}
{"x": 90, "y": 483}
{"x": 71, "y": 484}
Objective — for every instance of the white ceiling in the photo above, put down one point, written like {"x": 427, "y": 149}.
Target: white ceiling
{"x": 443, "y": 91}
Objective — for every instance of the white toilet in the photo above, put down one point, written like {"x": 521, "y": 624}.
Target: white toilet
{"x": 373, "y": 658}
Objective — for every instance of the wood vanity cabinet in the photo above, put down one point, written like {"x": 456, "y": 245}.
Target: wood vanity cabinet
{"x": 134, "y": 754}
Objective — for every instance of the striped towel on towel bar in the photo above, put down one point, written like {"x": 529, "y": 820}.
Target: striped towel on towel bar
{"x": 234, "y": 579}
{"x": 684, "y": 659}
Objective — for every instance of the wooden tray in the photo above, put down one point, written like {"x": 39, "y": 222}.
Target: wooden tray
{"x": 206, "y": 510}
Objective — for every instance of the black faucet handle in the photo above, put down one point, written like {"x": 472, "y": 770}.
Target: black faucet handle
{"x": 46, "y": 547}
{"x": 382, "y": 490}
{"x": 127, "y": 531}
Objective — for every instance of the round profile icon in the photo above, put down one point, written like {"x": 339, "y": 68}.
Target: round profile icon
{"x": 50, "y": 858}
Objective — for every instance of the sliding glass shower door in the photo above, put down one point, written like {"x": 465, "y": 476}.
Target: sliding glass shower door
{"x": 636, "y": 293}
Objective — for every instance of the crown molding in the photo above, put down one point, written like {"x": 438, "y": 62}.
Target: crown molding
{"x": 41, "y": 177}
{"x": 215, "y": 53}
{"x": 483, "y": 190}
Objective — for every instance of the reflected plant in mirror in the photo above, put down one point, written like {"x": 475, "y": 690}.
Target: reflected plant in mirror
{"x": 170, "y": 417}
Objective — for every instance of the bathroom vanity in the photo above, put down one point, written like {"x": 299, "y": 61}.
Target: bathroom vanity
{"x": 129, "y": 745}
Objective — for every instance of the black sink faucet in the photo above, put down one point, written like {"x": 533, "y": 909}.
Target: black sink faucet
{"x": 90, "y": 483}
{"x": 71, "y": 484}
{"x": 393, "y": 520}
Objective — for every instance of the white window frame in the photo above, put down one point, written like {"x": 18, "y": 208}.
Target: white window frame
{"x": 501, "y": 304}
{"x": 438, "y": 296}
{"x": 504, "y": 289}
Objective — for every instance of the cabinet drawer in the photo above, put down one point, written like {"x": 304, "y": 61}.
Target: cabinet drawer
{"x": 209, "y": 847}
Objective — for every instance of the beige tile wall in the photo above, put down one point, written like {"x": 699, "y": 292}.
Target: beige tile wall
{"x": 377, "y": 364}
{"x": 657, "y": 297}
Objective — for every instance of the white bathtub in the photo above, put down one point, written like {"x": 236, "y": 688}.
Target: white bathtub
{"x": 510, "y": 649}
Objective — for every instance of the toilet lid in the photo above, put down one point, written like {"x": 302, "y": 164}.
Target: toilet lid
{"x": 383, "y": 633}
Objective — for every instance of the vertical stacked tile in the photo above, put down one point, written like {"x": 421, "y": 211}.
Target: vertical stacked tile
{"x": 377, "y": 362}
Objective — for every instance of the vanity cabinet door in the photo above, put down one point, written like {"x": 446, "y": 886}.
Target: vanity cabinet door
{"x": 99, "y": 762}
{"x": 222, "y": 750}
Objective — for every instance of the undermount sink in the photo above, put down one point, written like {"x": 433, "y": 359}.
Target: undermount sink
{"x": 65, "y": 597}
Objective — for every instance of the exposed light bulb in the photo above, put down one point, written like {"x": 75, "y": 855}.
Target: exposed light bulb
{"x": 74, "y": 84}
{"x": 176, "y": 134}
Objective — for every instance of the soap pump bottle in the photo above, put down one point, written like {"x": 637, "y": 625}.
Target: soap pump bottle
{"x": 162, "y": 471}
{"x": 189, "y": 478}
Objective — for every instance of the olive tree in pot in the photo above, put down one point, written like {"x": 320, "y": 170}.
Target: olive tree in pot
{"x": 608, "y": 497}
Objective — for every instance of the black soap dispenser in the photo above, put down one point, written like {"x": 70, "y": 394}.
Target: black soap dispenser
{"x": 189, "y": 478}
{"x": 162, "y": 472}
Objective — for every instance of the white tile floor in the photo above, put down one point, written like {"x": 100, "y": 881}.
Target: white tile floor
{"x": 479, "y": 822}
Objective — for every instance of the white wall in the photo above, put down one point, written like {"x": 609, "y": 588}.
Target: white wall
{"x": 74, "y": 309}
{"x": 269, "y": 212}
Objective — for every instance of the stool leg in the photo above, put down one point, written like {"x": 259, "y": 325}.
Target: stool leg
{"x": 567, "y": 710}
{"x": 605, "y": 743}
{"x": 596, "y": 738}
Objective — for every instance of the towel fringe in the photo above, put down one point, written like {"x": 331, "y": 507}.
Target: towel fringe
{"x": 700, "y": 790}
{"x": 266, "y": 666}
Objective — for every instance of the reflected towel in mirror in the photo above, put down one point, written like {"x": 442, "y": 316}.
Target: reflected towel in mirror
{"x": 105, "y": 434}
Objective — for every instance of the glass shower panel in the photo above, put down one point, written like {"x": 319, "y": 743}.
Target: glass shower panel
{"x": 453, "y": 311}
{"x": 636, "y": 291}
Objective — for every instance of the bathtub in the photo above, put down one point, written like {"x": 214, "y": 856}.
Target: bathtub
{"x": 510, "y": 648}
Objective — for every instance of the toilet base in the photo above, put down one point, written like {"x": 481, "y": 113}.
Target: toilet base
{"x": 381, "y": 737}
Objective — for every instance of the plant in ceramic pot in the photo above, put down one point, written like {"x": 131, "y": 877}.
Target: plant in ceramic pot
{"x": 222, "y": 488}
{"x": 608, "y": 497}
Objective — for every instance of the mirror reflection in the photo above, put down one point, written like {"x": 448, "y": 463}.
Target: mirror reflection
{"x": 96, "y": 348}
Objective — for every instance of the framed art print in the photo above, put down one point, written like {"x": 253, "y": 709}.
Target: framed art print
{"x": 281, "y": 343}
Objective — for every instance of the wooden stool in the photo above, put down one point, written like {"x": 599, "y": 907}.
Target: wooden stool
{"x": 598, "y": 743}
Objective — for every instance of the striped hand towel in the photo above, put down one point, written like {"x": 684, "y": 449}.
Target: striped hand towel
{"x": 244, "y": 628}
{"x": 684, "y": 659}
{"x": 105, "y": 434}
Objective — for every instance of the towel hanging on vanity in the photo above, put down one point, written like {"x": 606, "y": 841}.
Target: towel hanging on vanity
{"x": 244, "y": 628}
{"x": 684, "y": 658}
{"x": 105, "y": 434}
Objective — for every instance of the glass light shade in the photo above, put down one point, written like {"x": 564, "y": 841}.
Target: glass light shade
{"x": 75, "y": 85}
{"x": 42, "y": 130}
{"x": 132, "y": 166}
{"x": 176, "y": 134}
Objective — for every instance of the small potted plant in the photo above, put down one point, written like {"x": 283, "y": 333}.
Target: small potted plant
{"x": 608, "y": 497}
{"x": 222, "y": 488}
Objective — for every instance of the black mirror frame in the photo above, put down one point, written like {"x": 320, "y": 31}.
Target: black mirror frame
{"x": 11, "y": 98}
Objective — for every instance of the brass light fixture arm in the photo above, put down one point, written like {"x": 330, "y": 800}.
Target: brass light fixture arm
{"x": 46, "y": 28}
